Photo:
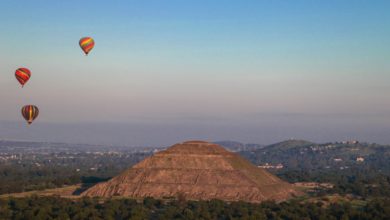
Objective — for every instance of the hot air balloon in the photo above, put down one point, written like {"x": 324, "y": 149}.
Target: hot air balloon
{"x": 30, "y": 112}
{"x": 22, "y": 75}
{"x": 86, "y": 44}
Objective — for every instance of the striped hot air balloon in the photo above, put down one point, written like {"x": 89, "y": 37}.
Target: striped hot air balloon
{"x": 22, "y": 75}
{"x": 86, "y": 44}
{"x": 30, "y": 113}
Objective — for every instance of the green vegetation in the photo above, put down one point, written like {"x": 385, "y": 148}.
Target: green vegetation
{"x": 57, "y": 170}
{"x": 86, "y": 208}
{"x": 363, "y": 183}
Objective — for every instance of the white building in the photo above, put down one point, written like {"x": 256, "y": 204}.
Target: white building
{"x": 360, "y": 159}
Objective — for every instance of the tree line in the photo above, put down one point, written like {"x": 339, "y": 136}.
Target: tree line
{"x": 41, "y": 208}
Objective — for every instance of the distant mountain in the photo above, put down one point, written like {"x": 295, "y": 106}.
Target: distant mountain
{"x": 292, "y": 143}
{"x": 196, "y": 170}
{"x": 238, "y": 146}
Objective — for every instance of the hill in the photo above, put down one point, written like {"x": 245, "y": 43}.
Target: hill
{"x": 292, "y": 143}
{"x": 305, "y": 155}
{"x": 198, "y": 171}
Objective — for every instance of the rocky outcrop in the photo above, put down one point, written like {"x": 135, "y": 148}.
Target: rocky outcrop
{"x": 199, "y": 171}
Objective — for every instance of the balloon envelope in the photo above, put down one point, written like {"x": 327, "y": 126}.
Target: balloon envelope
{"x": 22, "y": 75}
{"x": 86, "y": 44}
{"x": 30, "y": 112}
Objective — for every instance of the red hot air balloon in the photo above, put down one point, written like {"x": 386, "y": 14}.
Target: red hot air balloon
{"x": 86, "y": 44}
{"x": 30, "y": 112}
{"x": 22, "y": 75}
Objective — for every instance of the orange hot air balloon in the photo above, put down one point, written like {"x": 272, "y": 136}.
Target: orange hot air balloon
{"x": 30, "y": 113}
{"x": 86, "y": 44}
{"x": 22, "y": 75}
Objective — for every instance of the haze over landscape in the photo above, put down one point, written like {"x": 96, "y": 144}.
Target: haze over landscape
{"x": 163, "y": 72}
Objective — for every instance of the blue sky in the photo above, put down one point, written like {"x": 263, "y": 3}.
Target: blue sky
{"x": 255, "y": 71}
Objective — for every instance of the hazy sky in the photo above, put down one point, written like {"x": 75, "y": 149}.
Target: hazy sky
{"x": 165, "y": 71}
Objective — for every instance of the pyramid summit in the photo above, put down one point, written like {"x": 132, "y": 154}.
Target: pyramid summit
{"x": 198, "y": 170}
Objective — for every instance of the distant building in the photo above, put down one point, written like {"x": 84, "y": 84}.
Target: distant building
{"x": 270, "y": 166}
{"x": 360, "y": 159}
{"x": 279, "y": 166}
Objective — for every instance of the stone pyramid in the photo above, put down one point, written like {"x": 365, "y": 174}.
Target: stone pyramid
{"x": 199, "y": 171}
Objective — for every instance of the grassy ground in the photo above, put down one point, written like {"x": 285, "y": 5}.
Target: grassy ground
{"x": 66, "y": 192}
{"x": 69, "y": 192}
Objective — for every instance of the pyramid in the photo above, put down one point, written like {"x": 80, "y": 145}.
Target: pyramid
{"x": 198, "y": 170}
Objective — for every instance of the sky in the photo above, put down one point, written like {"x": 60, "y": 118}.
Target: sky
{"x": 162, "y": 72}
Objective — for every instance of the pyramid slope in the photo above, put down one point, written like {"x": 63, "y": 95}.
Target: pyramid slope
{"x": 200, "y": 171}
